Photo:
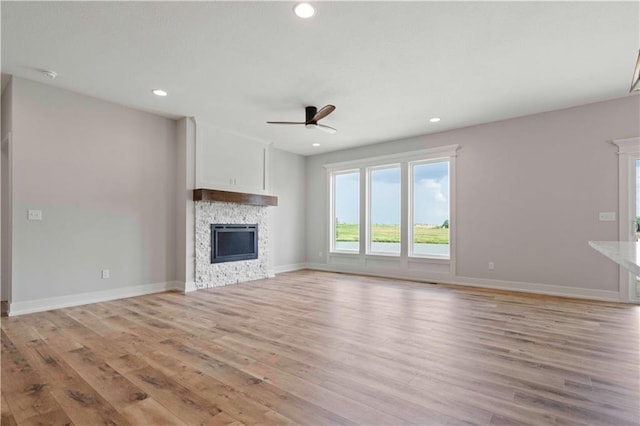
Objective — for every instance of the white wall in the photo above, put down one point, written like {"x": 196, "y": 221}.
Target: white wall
{"x": 104, "y": 177}
{"x": 230, "y": 161}
{"x": 288, "y": 219}
{"x": 528, "y": 195}
{"x": 185, "y": 213}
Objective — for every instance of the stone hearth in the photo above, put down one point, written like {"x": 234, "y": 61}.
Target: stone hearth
{"x": 218, "y": 274}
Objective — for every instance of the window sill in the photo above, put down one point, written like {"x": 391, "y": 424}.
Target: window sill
{"x": 437, "y": 259}
{"x": 348, "y": 253}
{"x": 383, "y": 255}
{"x": 411, "y": 259}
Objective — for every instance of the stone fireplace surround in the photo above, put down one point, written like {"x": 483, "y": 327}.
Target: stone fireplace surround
{"x": 229, "y": 208}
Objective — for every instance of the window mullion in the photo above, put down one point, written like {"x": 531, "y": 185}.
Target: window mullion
{"x": 405, "y": 208}
{"x": 364, "y": 210}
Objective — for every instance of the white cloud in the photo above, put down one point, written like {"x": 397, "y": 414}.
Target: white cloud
{"x": 431, "y": 200}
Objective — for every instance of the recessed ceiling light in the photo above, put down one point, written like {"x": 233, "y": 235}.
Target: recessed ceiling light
{"x": 434, "y": 119}
{"x": 304, "y": 10}
{"x": 159, "y": 92}
{"x": 315, "y": 144}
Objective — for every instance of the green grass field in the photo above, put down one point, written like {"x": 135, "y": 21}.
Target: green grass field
{"x": 391, "y": 234}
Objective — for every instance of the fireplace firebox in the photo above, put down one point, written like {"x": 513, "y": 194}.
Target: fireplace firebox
{"x": 231, "y": 243}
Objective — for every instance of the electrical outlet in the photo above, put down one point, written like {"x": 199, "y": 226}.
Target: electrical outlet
{"x": 105, "y": 274}
{"x": 319, "y": 254}
{"x": 607, "y": 216}
{"x": 492, "y": 266}
{"x": 34, "y": 215}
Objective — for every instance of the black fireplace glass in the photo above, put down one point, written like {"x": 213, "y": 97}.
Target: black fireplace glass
{"x": 232, "y": 242}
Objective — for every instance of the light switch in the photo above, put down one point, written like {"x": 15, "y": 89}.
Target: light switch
{"x": 34, "y": 215}
{"x": 607, "y": 216}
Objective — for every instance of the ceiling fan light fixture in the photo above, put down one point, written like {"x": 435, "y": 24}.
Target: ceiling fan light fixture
{"x": 311, "y": 125}
{"x": 304, "y": 10}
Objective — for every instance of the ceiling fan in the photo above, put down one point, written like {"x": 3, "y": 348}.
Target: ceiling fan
{"x": 312, "y": 116}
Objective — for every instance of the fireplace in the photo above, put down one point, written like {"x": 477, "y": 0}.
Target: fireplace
{"x": 238, "y": 267}
{"x": 231, "y": 243}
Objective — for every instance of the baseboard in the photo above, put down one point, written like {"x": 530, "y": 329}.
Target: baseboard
{"x": 183, "y": 287}
{"x": 546, "y": 289}
{"x": 39, "y": 305}
{"x": 523, "y": 287}
{"x": 289, "y": 268}
{"x": 189, "y": 287}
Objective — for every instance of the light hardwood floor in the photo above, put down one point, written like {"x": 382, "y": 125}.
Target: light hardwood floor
{"x": 321, "y": 348}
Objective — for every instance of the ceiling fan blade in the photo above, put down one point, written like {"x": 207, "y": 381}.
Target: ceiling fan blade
{"x": 326, "y": 128}
{"x": 323, "y": 112}
{"x": 286, "y": 122}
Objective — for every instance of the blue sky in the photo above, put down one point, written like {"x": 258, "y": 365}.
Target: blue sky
{"x": 431, "y": 195}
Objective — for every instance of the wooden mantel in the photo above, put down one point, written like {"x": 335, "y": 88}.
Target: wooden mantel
{"x": 234, "y": 197}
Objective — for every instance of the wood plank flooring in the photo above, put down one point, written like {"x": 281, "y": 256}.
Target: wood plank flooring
{"x": 320, "y": 348}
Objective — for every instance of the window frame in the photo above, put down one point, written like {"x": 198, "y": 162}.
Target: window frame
{"x": 410, "y": 207}
{"x": 332, "y": 218}
{"x": 369, "y": 222}
{"x": 628, "y": 153}
{"x": 441, "y": 153}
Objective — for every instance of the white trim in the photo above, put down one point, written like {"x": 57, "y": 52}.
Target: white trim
{"x": 368, "y": 208}
{"x": 453, "y": 218}
{"x": 6, "y": 256}
{"x": 266, "y": 169}
{"x": 405, "y": 162}
{"x": 39, "y": 305}
{"x": 537, "y": 288}
{"x": 289, "y": 268}
{"x": 521, "y": 287}
{"x": 332, "y": 208}
{"x": 628, "y": 152}
{"x": 423, "y": 154}
{"x": 628, "y": 145}
{"x": 190, "y": 286}
{"x": 410, "y": 208}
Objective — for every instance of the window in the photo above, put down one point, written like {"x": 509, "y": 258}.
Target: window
{"x": 398, "y": 205}
{"x": 429, "y": 228}
{"x": 384, "y": 210}
{"x": 346, "y": 211}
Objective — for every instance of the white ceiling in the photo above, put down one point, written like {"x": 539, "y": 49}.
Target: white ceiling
{"x": 387, "y": 66}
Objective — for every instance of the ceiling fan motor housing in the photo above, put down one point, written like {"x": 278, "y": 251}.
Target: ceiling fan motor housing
{"x": 310, "y": 112}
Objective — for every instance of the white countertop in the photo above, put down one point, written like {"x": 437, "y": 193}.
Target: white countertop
{"x": 624, "y": 253}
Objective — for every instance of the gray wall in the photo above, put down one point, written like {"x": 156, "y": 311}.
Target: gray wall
{"x": 528, "y": 194}
{"x": 104, "y": 177}
{"x": 5, "y": 195}
{"x": 110, "y": 183}
{"x": 287, "y": 220}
